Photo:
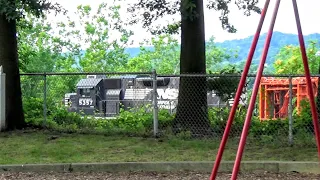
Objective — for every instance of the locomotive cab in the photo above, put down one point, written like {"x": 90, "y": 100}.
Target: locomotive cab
{"x": 90, "y": 94}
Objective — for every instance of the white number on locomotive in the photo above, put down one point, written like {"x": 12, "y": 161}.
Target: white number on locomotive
{"x": 85, "y": 102}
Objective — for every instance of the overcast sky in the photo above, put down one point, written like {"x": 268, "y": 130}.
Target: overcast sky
{"x": 308, "y": 9}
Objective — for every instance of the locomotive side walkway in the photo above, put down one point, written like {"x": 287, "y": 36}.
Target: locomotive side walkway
{"x": 205, "y": 167}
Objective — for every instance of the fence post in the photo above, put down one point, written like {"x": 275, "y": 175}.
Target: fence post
{"x": 155, "y": 104}
{"x": 44, "y": 99}
{"x": 2, "y": 100}
{"x": 290, "y": 110}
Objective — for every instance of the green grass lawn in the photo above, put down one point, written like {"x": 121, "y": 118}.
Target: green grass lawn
{"x": 39, "y": 147}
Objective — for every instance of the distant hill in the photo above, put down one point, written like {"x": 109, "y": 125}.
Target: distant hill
{"x": 278, "y": 40}
{"x": 243, "y": 45}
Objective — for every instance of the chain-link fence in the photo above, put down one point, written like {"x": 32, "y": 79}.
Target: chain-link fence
{"x": 189, "y": 106}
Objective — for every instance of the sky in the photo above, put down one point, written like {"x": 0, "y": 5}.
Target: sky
{"x": 246, "y": 26}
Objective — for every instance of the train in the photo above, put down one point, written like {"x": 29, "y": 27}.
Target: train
{"x": 102, "y": 96}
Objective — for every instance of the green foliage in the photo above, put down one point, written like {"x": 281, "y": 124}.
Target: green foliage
{"x": 15, "y": 10}
{"x": 262, "y": 131}
{"x": 62, "y": 117}
{"x": 94, "y": 32}
{"x": 225, "y": 86}
{"x": 139, "y": 121}
{"x": 33, "y": 108}
{"x": 218, "y": 58}
{"x": 136, "y": 120}
{"x": 165, "y": 54}
{"x": 164, "y": 57}
{"x": 39, "y": 50}
{"x": 303, "y": 120}
{"x": 149, "y": 12}
{"x": 272, "y": 128}
{"x": 289, "y": 59}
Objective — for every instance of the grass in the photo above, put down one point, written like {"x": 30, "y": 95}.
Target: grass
{"x": 48, "y": 147}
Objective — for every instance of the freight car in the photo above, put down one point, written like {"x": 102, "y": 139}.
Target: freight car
{"x": 103, "y": 96}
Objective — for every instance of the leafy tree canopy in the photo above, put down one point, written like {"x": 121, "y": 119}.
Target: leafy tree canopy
{"x": 149, "y": 11}
{"x": 289, "y": 59}
{"x": 14, "y": 9}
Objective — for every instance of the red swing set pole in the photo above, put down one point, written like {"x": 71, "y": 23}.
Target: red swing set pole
{"x": 247, "y": 122}
{"x": 239, "y": 91}
{"x": 308, "y": 77}
{"x": 256, "y": 86}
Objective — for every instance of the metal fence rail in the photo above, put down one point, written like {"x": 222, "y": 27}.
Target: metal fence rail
{"x": 148, "y": 103}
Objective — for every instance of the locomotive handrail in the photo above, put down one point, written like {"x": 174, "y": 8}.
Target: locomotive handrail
{"x": 83, "y": 73}
{"x": 234, "y": 75}
{"x": 158, "y": 75}
{"x": 133, "y": 100}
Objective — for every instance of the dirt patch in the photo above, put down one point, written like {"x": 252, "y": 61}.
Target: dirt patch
{"x": 154, "y": 176}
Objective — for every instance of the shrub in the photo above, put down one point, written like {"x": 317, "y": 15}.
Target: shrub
{"x": 62, "y": 117}
{"x": 303, "y": 121}
{"x": 218, "y": 118}
{"x": 33, "y": 108}
{"x": 278, "y": 127}
{"x": 139, "y": 121}
{"x": 134, "y": 121}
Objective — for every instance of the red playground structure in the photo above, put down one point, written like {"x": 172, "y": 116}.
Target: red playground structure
{"x": 274, "y": 95}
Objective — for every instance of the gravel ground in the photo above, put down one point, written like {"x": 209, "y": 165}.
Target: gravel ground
{"x": 153, "y": 176}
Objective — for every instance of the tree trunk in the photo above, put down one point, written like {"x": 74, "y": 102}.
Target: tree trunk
{"x": 9, "y": 61}
{"x": 192, "y": 111}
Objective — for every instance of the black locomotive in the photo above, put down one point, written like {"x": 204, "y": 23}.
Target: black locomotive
{"x": 103, "y": 96}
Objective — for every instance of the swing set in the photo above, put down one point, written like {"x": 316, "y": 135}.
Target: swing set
{"x": 308, "y": 84}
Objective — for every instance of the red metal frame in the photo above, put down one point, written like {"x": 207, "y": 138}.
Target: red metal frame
{"x": 256, "y": 88}
{"x": 269, "y": 86}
